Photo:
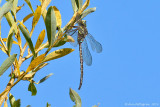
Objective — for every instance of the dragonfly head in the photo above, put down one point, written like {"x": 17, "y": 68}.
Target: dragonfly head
{"x": 84, "y": 22}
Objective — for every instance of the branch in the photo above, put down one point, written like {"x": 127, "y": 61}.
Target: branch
{"x": 21, "y": 60}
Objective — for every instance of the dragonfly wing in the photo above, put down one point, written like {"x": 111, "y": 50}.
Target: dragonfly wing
{"x": 94, "y": 44}
{"x": 87, "y": 58}
{"x": 74, "y": 34}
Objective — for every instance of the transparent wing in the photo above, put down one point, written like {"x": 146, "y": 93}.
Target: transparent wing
{"x": 94, "y": 44}
{"x": 87, "y": 58}
{"x": 74, "y": 34}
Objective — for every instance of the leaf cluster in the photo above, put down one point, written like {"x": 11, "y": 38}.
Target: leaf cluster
{"x": 56, "y": 37}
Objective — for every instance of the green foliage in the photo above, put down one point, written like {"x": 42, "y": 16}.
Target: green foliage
{"x": 48, "y": 105}
{"x": 75, "y": 98}
{"x": 7, "y": 63}
{"x": 5, "y": 8}
{"x": 56, "y": 35}
{"x": 29, "y": 4}
{"x": 13, "y": 102}
{"x": 45, "y": 78}
{"x": 88, "y": 11}
{"x": 32, "y": 88}
{"x": 51, "y": 23}
{"x": 28, "y": 39}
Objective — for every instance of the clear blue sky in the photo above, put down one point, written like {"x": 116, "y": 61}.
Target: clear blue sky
{"x": 127, "y": 71}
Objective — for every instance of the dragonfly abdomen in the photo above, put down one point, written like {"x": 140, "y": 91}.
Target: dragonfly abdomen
{"x": 81, "y": 67}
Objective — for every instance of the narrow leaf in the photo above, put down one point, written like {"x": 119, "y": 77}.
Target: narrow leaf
{"x": 27, "y": 17}
{"x": 10, "y": 19}
{"x": 9, "y": 43}
{"x": 5, "y": 8}
{"x": 80, "y": 3}
{"x": 35, "y": 62}
{"x": 60, "y": 43}
{"x": 74, "y": 5}
{"x": 11, "y": 99}
{"x": 9, "y": 38}
{"x": 11, "y": 22}
{"x": 58, "y": 16}
{"x": 40, "y": 67}
{"x": 40, "y": 39}
{"x": 44, "y": 15}
{"x": 19, "y": 8}
{"x": 7, "y": 63}
{"x": 5, "y": 40}
{"x": 45, "y": 78}
{"x": 28, "y": 39}
{"x": 14, "y": 8}
{"x": 29, "y": 4}
{"x": 21, "y": 23}
{"x": 75, "y": 98}
{"x": 44, "y": 4}
{"x": 17, "y": 103}
{"x": 36, "y": 17}
{"x": 50, "y": 23}
{"x": 88, "y": 11}
{"x": 48, "y": 105}
{"x": 58, "y": 53}
{"x": 32, "y": 88}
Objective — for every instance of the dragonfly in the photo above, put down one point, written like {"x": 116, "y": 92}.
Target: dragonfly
{"x": 81, "y": 36}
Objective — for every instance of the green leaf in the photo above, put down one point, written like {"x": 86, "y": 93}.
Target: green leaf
{"x": 17, "y": 103}
{"x": 29, "y": 4}
{"x": 75, "y": 98}
{"x": 57, "y": 54}
{"x": 9, "y": 42}
{"x": 88, "y": 11}
{"x": 32, "y": 88}
{"x": 7, "y": 63}
{"x": 5, "y": 8}
{"x": 28, "y": 39}
{"x": 14, "y": 8}
{"x": 28, "y": 106}
{"x": 80, "y": 3}
{"x": 45, "y": 78}
{"x": 10, "y": 39}
{"x": 48, "y": 105}
{"x": 10, "y": 19}
{"x": 11, "y": 99}
{"x": 50, "y": 22}
{"x": 60, "y": 43}
{"x": 74, "y": 5}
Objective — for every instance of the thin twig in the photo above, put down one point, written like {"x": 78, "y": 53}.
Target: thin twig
{"x": 21, "y": 59}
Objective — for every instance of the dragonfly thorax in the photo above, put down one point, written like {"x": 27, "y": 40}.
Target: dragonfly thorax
{"x": 82, "y": 33}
